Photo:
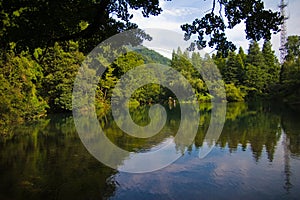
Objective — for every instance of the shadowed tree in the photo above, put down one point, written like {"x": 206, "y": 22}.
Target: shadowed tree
{"x": 260, "y": 24}
{"x": 272, "y": 64}
{"x": 290, "y": 71}
{"x": 255, "y": 74}
{"x": 40, "y": 23}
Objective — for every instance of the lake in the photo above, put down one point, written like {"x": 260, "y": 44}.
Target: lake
{"x": 257, "y": 156}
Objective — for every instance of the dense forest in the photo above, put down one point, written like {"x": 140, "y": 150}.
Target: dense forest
{"x": 43, "y": 44}
{"x": 34, "y": 84}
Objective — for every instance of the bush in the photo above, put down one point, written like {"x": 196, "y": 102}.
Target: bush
{"x": 233, "y": 93}
{"x": 19, "y": 98}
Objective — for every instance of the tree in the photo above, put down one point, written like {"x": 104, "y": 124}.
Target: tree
{"x": 181, "y": 62}
{"x": 241, "y": 59}
{"x": 272, "y": 64}
{"x": 242, "y": 55}
{"x": 233, "y": 93}
{"x": 60, "y": 69}
{"x": 255, "y": 56}
{"x": 255, "y": 68}
{"x": 41, "y": 23}
{"x": 219, "y": 60}
{"x": 292, "y": 47}
{"x": 146, "y": 94}
{"x": 230, "y": 72}
{"x": 290, "y": 71}
{"x": 260, "y": 23}
{"x": 19, "y": 96}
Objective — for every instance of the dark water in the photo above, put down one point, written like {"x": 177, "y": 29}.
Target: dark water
{"x": 256, "y": 157}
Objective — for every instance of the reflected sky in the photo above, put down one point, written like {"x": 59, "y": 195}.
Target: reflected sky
{"x": 256, "y": 157}
{"x": 221, "y": 175}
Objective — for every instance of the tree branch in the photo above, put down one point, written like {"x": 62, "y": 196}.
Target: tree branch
{"x": 99, "y": 19}
{"x": 220, "y": 10}
{"x": 213, "y": 7}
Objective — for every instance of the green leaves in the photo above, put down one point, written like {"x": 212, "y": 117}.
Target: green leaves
{"x": 41, "y": 23}
{"x": 290, "y": 71}
{"x": 19, "y": 97}
{"x": 60, "y": 68}
{"x": 254, "y": 75}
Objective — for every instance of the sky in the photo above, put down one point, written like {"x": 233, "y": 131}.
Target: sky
{"x": 178, "y": 12}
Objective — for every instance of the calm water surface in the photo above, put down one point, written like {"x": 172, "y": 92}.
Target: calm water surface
{"x": 256, "y": 157}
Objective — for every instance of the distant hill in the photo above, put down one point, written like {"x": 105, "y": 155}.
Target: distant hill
{"x": 153, "y": 56}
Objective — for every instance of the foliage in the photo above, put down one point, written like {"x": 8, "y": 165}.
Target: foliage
{"x": 149, "y": 93}
{"x": 260, "y": 24}
{"x": 256, "y": 74}
{"x": 40, "y": 23}
{"x": 92, "y": 21}
{"x": 60, "y": 66}
{"x": 233, "y": 71}
{"x": 188, "y": 68}
{"x": 19, "y": 97}
{"x": 290, "y": 71}
{"x": 255, "y": 66}
{"x": 31, "y": 83}
{"x": 150, "y": 55}
{"x": 272, "y": 63}
{"x": 234, "y": 93}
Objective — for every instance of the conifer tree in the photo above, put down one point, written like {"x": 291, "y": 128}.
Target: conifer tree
{"x": 255, "y": 69}
{"x": 272, "y": 64}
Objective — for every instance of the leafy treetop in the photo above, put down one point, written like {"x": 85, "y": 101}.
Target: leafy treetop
{"x": 41, "y": 23}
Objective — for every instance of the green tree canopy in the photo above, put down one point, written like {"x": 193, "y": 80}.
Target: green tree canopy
{"x": 290, "y": 71}
{"x": 293, "y": 48}
{"x": 40, "y": 23}
{"x": 271, "y": 62}
{"x": 18, "y": 93}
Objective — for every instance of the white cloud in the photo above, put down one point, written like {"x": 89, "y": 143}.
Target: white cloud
{"x": 179, "y": 12}
{"x": 165, "y": 41}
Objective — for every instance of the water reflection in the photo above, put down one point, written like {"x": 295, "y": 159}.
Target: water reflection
{"x": 47, "y": 160}
{"x": 256, "y": 156}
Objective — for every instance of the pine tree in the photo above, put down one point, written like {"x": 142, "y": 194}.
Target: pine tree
{"x": 241, "y": 73}
{"x": 272, "y": 64}
{"x": 255, "y": 69}
{"x": 179, "y": 52}
{"x": 290, "y": 71}
{"x": 242, "y": 55}
{"x": 255, "y": 56}
{"x": 230, "y": 71}
{"x": 196, "y": 60}
{"x": 292, "y": 47}
{"x": 233, "y": 71}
